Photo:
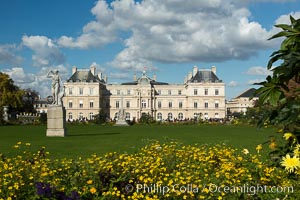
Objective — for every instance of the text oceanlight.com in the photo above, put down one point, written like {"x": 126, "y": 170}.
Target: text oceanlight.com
{"x": 191, "y": 188}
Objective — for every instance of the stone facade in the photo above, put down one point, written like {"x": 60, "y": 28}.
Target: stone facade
{"x": 201, "y": 95}
{"x": 242, "y": 102}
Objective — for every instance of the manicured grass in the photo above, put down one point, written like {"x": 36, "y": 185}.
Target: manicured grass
{"x": 84, "y": 140}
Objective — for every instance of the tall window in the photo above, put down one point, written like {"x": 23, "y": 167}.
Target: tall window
{"x": 206, "y": 105}
{"x": 216, "y": 104}
{"x": 91, "y": 104}
{"x": 118, "y": 92}
{"x": 117, "y": 104}
{"x": 170, "y": 104}
{"x": 159, "y": 116}
{"x": 169, "y": 92}
{"x": 159, "y": 104}
{"x": 206, "y": 115}
{"x": 80, "y": 104}
{"x": 180, "y": 116}
{"x": 170, "y": 116}
{"x": 91, "y": 91}
{"x": 180, "y": 104}
{"x": 91, "y": 116}
{"x": 70, "y": 104}
{"x": 127, "y": 116}
{"x": 80, "y": 116}
{"x": 80, "y": 91}
{"x": 128, "y": 92}
{"x": 216, "y": 91}
{"x": 127, "y": 104}
{"x": 159, "y": 92}
{"x": 195, "y": 92}
{"x": 70, "y": 116}
{"x": 195, "y": 104}
{"x": 179, "y": 92}
{"x": 70, "y": 91}
{"x": 205, "y": 91}
{"x": 144, "y": 104}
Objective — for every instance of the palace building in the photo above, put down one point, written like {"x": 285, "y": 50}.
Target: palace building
{"x": 202, "y": 95}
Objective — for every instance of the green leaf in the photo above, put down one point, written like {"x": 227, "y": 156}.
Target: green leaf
{"x": 286, "y": 27}
{"x": 283, "y": 33}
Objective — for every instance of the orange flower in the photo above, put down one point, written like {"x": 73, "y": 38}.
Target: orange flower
{"x": 93, "y": 190}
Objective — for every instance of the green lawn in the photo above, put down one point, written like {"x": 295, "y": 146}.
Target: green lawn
{"x": 86, "y": 140}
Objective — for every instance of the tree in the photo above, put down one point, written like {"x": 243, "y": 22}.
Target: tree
{"x": 10, "y": 94}
{"x": 281, "y": 91}
{"x": 30, "y": 96}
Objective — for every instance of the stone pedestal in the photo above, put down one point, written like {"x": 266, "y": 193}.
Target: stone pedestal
{"x": 56, "y": 121}
{"x": 121, "y": 123}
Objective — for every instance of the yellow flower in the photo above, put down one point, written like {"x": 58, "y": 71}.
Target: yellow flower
{"x": 290, "y": 164}
{"x": 258, "y": 148}
{"x": 245, "y": 151}
{"x": 89, "y": 182}
{"x": 287, "y": 136}
{"x": 297, "y": 150}
{"x": 93, "y": 190}
{"x": 272, "y": 145}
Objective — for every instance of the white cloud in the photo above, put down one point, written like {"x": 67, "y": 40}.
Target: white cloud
{"x": 258, "y": 70}
{"x": 38, "y": 81}
{"x": 46, "y": 52}
{"x": 232, "y": 84}
{"x": 7, "y": 55}
{"x": 172, "y": 31}
{"x": 19, "y": 76}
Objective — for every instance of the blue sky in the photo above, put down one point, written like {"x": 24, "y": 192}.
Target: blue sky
{"x": 121, "y": 37}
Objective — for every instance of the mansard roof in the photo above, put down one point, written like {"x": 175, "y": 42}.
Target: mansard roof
{"x": 205, "y": 76}
{"x": 248, "y": 93}
{"x": 84, "y": 76}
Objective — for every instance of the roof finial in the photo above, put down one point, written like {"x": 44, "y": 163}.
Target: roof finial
{"x": 144, "y": 71}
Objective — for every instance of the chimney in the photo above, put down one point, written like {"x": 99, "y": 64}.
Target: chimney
{"x": 74, "y": 69}
{"x": 105, "y": 78}
{"x": 154, "y": 77}
{"x": 100, "y": 75}
{"x": 195, "y": 70}
{"x": 214, "y": 69}
{"x": 190, "y": 76}
{"x": 134, "y": 77}
{"x": 93, "y": 69}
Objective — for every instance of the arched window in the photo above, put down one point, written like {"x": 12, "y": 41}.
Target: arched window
{"x": 70, "y": 116}
{"x": 159, "y": 116}
{"x": 180, "y": 116}
{"x": 170, "y": 116}
{"x": 127, "y": 116}
{"x": 80, "y": 116}
{"x": 217, "y": 115}
{"x": 91, "y": 116}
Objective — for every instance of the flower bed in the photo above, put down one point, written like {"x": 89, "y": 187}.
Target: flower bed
{"x": 157, "y": 171}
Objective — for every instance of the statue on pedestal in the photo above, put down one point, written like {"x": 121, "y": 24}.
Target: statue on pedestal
{"x": 57, "y": 93}
{"x": 56, "y": 114}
